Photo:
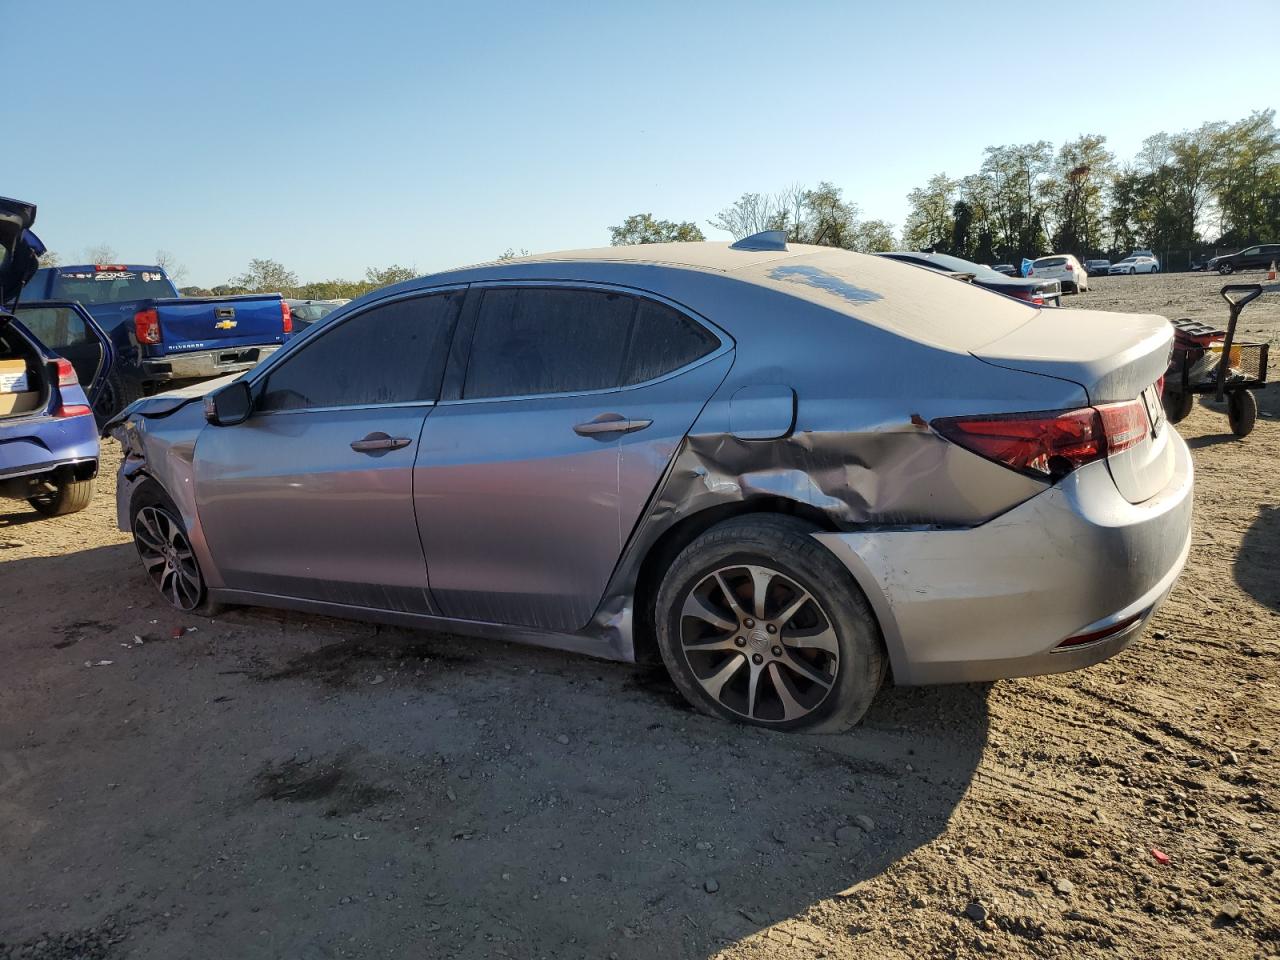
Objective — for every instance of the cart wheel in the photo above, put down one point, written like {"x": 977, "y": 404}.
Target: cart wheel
{"x": 1177, "y": 405}
{"x": 1242, "y": 412}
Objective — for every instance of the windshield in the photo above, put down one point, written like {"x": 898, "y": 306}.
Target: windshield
{"x": 110, "y": 286}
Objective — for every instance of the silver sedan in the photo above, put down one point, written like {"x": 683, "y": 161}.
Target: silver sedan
{"x": 782, "y": 471}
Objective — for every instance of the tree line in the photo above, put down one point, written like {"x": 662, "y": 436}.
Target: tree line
{"x": 1183, "y": 196}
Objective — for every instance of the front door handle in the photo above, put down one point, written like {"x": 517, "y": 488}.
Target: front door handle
{"x": 608, "y": 423}
{"x": 379, "y": 443}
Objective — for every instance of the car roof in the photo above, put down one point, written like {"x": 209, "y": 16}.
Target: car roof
{"x": 922, "y": 305}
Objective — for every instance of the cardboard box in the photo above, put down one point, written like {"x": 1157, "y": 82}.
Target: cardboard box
{"x": 13, "y": 376}
{"x": 18, "y": 402}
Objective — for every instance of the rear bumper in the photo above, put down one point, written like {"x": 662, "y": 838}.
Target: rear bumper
{"x": 206, "y": 363}
{"x": 995, "y": 601}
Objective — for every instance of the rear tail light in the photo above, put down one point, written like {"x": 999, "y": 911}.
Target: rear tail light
{"x": 1066, "y": 267}
{"x": 146, "y": 323}
{"x": 1050, "y": 444}
{"x": 286, "y": 317}
{"x": 67, "y": 378}
{"x": 66, "y": 373}
{"x": 1031, "y": 296}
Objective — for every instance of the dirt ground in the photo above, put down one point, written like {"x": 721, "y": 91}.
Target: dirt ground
{"x": 282, "y": 785}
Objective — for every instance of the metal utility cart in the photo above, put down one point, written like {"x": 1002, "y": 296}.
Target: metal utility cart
{"x": 1197, "y": 364}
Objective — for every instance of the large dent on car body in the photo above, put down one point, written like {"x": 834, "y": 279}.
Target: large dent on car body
{"x": 903, "y": 477}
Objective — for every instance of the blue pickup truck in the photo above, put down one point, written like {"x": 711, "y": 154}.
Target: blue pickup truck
{"x": 158, "y": 337}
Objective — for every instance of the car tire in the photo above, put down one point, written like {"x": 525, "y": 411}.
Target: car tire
{"x": 69, "y": 497}
{"x": 1225, "y": 268}
{"x": 1242, "y": 412}
{"x": 1132, "y": 271}
{"x": 815, "y": 671}
{"x": 155, "y": 520}
{"x": 116, "y": 394}
{"x": 1177, "y": 405}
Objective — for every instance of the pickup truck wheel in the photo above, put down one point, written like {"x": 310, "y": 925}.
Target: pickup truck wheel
{"x": 164, "y": 548}
{"x": 116, "y": 394}
{"x": 70, "y": 497}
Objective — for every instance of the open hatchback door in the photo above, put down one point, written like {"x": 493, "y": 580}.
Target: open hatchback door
{"x": 64, "y": 328}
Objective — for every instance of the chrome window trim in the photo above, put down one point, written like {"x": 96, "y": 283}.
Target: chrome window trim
{"x": 727, "y": 342}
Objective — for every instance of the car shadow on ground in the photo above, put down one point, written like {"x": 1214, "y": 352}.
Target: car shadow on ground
{"x": 1258, "y": 561}
{"x": 315, "y": 787}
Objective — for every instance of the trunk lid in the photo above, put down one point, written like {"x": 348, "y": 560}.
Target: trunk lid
{"x": 1116, "y": 358}
{"x": 20, "y": 249}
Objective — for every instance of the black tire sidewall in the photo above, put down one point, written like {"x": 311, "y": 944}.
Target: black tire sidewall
{"x": 1242, "y": 412}
{"x": 1177, "y": 405}
{"x": 788, "y": 548}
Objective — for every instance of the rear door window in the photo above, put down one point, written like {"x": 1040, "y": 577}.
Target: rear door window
{"x": 537, "y": 341}
{"x": 393, "y": 353}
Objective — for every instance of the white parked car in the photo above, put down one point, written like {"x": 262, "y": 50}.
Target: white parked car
{"x": 1135, "y": 265}
{"x": 1064, "y": 268}
{"x": 1143, "y": 252}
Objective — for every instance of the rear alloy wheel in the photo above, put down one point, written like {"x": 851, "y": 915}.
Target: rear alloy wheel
{"x": 69, "y": 497}
{"x": 759, "y": 622}
{"x": 1242, "y": 412}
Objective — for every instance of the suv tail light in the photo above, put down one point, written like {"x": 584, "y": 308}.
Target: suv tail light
{"x": 1049, "y": 445}
{"x": 67, "y": 378}
{"x": 146, "y": 323}
{"x": 286, "y": 317}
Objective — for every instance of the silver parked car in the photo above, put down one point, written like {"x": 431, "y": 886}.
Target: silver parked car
{"x": 783, "y": 471}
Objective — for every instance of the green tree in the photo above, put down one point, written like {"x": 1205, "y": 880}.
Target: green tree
{"x": 266, "y": 276}
{"x": 643, "y": 228}
{"x": 1076, "y": 193}
{"x": 389, "y": 275}
{"x": 931, "y": 221}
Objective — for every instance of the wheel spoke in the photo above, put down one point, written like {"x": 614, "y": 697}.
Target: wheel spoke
{"x": 791, "y": 707}
{"x": 799, "y": 666}
{"x": 753, "y": 686}
{"x": 793, "y": 608}
{"x": 152, "y": 562}
{"x": 698, "y": 607}
{"x": 816, "y": 638}
{"x": 729, "y": 596}
{"x": 707, "y": 646}
{"x": 715, "y": 683}
{"x": 761, "y": 577}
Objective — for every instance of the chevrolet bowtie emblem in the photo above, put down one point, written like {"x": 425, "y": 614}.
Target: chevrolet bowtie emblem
{"x": 224, "y": 324}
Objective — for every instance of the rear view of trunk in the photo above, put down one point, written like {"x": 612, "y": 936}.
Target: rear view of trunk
{"x": 1119, "y": 360}
{"x": 24, "y": 387}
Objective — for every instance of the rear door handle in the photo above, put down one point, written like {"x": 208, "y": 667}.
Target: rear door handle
{"x": 379, "y": 442}
{"x": 608, "y": 423}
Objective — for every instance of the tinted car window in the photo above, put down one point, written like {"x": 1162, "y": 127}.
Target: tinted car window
{"x": 663, "y": 340}
{"x": 1050, "y": 262}
{"x": 389, "y": 354}
{"x": 111, "y": 286}
{"x": 532, "y": 341}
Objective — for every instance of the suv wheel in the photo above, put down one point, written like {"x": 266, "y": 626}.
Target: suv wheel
{"x": 758, "y": 622}
{"x": 165, "y": 551}
{"x": 71, "y": 496}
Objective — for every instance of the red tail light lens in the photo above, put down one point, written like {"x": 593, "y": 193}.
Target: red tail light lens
{"x": 286, "y": 317}
{"x": 66, "y": 373}
{"x": 146, "y": 323}
{"x": 1067, "y": 267}
{"x": 1046, "y": 444}
{"x": 1050, "y": 444}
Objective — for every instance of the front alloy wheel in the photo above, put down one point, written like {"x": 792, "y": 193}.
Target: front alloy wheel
{"x": 167, "y": 557}
{"x": 759, "y": 644}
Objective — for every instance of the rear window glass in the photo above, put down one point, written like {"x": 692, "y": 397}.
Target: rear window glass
{"x": 663, "y": 340}
{"x": 1050, "y": 262}
{"x": 110, "y": 286}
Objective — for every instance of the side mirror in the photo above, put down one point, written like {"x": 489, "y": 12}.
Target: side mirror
{"x": 230, "y": 405}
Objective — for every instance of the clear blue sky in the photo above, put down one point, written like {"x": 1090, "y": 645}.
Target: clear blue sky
{"x": 335, "y": 136}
